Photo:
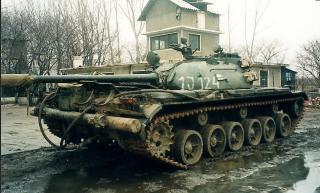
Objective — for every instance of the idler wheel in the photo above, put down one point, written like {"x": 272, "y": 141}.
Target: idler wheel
{"x": 188, "y": 146}
{"x": 283, "y": 123}
{"x": 268, "y": 129}
{"x": 235, "y": 135}
{"x": 214, "y": 140}
{"x": 253, "y": 131}
{"x": 295, "y": 108}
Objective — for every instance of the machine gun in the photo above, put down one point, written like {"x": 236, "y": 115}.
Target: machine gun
{"x": 184, "y": 48}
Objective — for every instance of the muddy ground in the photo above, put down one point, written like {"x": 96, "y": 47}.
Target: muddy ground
{"x": 28, "y": 164}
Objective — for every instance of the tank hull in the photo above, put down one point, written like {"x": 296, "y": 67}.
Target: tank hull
{"x": 172, "y": 113}
{"x": 150, "y": 129}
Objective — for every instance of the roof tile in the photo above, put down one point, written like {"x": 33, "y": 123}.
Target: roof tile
{"x": 184, "y": 4}
{"x": 180, "y": 3}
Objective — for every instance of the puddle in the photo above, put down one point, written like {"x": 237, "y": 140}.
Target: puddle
{"x": 277, "y": 171}
{"x": 312, "y": 181}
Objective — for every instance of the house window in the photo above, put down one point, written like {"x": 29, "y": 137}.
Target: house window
{"x": 288, "y": 76}
{"x": 163, "y": 41}
{"x": 194, "y": 41}
{"x": 264, "y": 75}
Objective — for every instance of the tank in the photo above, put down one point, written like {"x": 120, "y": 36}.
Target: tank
{"x": 173, "y": 113}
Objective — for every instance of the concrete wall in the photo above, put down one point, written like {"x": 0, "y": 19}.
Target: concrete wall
{"x": 274, "y": 76}
{"x": 212, "y": 21}
{"x": 189, "y": 18}
{"x": 161, "y": 15}
{"x": 209, "y": 42}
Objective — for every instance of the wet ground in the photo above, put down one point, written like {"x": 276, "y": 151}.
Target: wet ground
{"x": 286, "y": 166}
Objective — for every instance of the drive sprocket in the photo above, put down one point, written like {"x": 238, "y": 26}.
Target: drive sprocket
{"x": 160, "y": 138}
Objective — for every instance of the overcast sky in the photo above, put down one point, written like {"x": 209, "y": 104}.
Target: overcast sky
{"x": 292, "y": 22}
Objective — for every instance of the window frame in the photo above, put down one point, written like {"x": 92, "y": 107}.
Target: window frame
{"x": 260, "y": 79}
{"x": 288, "y": 76}
{"x": 195, "y": 34}
{"x": 159, "y": 36}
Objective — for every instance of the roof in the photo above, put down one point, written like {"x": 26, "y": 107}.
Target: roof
{"x": 184, "y": 4}
{"x": 291, "y": 70}
{"x": 260, "y": 65}
{"x": 181, "y": 3}
{"x": 172, "y": 29}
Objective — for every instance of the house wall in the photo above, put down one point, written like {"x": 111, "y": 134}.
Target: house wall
{"x": 208, "y": 42}
{"x": 274, "y": 76}
{"x": 189, "y": 18}
{"x": 162, "y": 15}
{"x": 212, "y": 21}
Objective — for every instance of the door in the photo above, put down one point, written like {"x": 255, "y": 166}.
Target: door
{"x": 263, "y": 78}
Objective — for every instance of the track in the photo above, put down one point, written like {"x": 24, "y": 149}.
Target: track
{"x": 146, "y": 149}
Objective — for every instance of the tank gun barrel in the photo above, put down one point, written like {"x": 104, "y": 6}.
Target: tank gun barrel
{"x": 13, "y": 80}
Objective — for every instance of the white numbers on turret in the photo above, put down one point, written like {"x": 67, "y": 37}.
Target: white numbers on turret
{"x": 188, "y": 82}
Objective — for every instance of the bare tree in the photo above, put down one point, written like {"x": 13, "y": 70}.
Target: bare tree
{"x": 40, "y": 31}
{"x": 250, "y": 40}
{"x": 13, "y": 41}
{"x": 118, "y": 54}
{"x": 271, "y": 52}
{"x": 229, "y": 25}
{"x": 58, "y": 30}
{"x": 108, "y": 12}
{"x": 131, "y": 11}
{"x": 309, "y": 60}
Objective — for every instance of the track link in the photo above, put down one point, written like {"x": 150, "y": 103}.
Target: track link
{"x": 145, "y": 149}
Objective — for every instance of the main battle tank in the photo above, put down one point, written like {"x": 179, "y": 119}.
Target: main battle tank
{"x": 173, "y": 113}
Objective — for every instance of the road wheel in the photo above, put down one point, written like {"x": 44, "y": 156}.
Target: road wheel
{"x": 214, "y": 140}
{"x": 235, "y": 135}
{"x": 243, "y": 112}
{"x": 253, "y": 131}
{"x": 283, "y": 123}
{"x": 188, "y": 146}
{"x": 268, "y": 129}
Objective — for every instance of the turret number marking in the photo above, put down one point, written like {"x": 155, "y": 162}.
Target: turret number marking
{"x": 188, "y": 82}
